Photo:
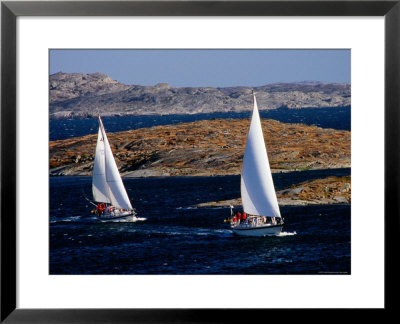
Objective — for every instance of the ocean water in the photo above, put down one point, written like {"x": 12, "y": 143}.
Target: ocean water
{"x": 172, "y": 236}
{"x": 336, "y": 118}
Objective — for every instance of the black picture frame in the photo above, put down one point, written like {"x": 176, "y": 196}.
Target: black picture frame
{"x": 10, "y": 10}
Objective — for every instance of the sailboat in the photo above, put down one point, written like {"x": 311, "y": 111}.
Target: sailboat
{"x": 261, "y": 215}
{"x": 107, "y": 187}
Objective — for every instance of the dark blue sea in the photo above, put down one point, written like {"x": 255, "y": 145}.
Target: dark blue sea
{"x": 174, "y": 237}
{"x": 336, "y": 118}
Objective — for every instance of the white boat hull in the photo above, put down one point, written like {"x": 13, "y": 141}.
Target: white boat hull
{"x": 117, "y": 216}
{"x": 269, "y": 230}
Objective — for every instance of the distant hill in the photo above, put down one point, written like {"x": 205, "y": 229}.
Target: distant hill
{"x": 76, "y": 95}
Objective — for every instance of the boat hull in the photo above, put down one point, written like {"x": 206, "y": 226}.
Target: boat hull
{"x": 271, "y": 230}
{"x": 125, "y": 216}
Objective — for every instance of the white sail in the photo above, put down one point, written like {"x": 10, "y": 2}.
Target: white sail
{"x": 99, "y": 184}
{"x": 257, "y": 188}
{"x": 113, "y": 189}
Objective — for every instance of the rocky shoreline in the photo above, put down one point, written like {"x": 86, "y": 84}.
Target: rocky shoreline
{"x": 204, "y": 148}
{"x": 326, "y": 191}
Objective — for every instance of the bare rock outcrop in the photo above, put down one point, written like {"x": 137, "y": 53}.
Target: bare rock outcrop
{"x": 83, "y": 95}
{"x": 326, "y": 191}
{"x": 205, "y": 148}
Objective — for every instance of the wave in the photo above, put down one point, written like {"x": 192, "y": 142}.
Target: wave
{"x": 287, "y": 233}
{"x": 139, "y": 219}
{"x": 92, "y": 219}
{"x": 181, "y": 231}
{"x": 123, "y": 220}
{"x": 73, "y": 219}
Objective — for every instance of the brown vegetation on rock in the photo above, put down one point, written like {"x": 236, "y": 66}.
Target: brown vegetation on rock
{"x": 330, "y": 190}
{"x": 204, "y": 148}
{"x": 327, "y": 190}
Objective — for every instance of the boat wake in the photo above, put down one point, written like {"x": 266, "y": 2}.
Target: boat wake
{"x": 123, "y": 220}
{"x": 287, "y": 234}
{"x": 182, "y": 231}
{"x": 94, "y": 219}
{"x": 73, "y": 219}
{"x": 139, "y": 219}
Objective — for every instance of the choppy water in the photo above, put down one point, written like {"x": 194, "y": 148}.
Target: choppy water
{"x": 337, "y": 118}
{"x": 173, "y": 237}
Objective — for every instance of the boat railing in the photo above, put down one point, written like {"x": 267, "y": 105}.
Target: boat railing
{"x": 255, "y": 221}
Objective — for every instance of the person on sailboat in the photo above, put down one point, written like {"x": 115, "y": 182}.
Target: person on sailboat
{"x": 244, "y": 216}
{"x": 100, "y": 208}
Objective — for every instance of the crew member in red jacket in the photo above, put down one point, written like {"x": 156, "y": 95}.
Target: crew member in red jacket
{"x": 100, "y": 208}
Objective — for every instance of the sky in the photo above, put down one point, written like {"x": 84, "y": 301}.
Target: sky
{"x": 202, "y": 68}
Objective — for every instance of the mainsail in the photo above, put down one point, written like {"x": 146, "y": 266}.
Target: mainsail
{"x": 107, "y": 185}
{"x": 257, "y": 188}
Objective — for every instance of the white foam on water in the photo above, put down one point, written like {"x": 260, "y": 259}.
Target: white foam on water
{"x": 186, "y": 208}
{"x": 223, "y": 231}
{"x": 66, "y": 219}
{"x": 139, "y": 219}
{"x": 123, "y": 220}
{"x": 287, "y": 234}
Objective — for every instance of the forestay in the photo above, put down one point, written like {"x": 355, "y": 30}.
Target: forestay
{"x": 257, "y": 187}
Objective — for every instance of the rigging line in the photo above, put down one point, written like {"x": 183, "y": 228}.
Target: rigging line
{"x": 89, "y": 200}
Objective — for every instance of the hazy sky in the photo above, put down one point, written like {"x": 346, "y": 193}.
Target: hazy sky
{"x": 216, "y": 68}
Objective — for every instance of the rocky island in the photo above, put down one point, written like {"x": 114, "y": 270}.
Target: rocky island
{"x": 77, "y": 95}
{"x": 204, "y": 148}
{"x": 216, "y": 147}
{"x": 330, "y": 190}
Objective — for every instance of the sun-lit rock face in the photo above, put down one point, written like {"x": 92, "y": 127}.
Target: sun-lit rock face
{"x": 324, "y": 191}
{"x": 83, "y": 95}
{"x": 204, "y": 148}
